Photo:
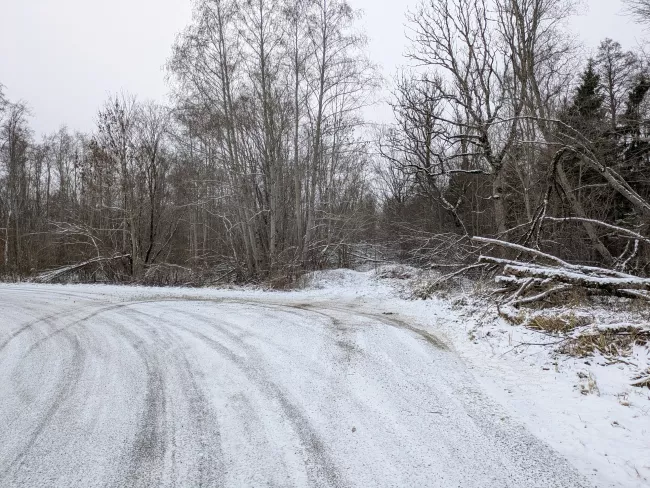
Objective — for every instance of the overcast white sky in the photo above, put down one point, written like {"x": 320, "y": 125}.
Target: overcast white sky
{"x": 63, "y": 57}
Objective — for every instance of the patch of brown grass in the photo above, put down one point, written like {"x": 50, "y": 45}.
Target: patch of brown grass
{"x": 573, "y": 297}
{"x": 610, "y": 342}
{"x": 506, "y": 314}
{"x": 557, "y": 324}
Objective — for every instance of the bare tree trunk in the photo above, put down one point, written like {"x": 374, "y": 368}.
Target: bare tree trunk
{"x": 6, "y": 246}
{"x": 499, "y": 205}
{"x": 579, "y": 212}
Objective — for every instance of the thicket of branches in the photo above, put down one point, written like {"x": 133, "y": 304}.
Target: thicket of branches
{"x": 257, "y": 170}
{"x": 496, "y": 136}
{"x": 507, "y": 143}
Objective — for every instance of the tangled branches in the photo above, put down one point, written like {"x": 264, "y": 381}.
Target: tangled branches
{"x": 534, "y": 276}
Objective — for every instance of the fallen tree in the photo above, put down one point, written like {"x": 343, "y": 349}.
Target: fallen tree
{"x": 534, "y": 276}
{"x": 101, "y": 263}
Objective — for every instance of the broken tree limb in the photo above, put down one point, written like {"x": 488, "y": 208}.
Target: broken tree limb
{"x": 53, "y": 274}
{"x": 549, "y": 257}
{"x": 547, "y": 275}
{"x": 574, "y": 278}
{"x": 520, "y": 248}
{"x": 519, "y": 281}
{"x": 524, "y": 286}
{"x": 615, "y": 228}
{"x": 540, "y": 296}
{"x": 636, "y": 294}
{"x": 459, "y": 272}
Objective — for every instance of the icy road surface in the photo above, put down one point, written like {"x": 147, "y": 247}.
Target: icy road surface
{"x": 131, "y": 387}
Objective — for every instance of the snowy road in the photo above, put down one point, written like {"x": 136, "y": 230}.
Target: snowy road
{"x": 111, "y": 387}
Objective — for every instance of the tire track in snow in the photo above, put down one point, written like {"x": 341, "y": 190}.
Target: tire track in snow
{"x": 202, "y": 417}
{"x": 346, "y": 346}
{"x": 384, "y": 319}
{"x": 45, "y": 318}
{"x": 64, "y": 389}
{"x": 162, "y": 354}
{"x": 49, "y": 319}
{"x": 147, "y": 453}
{"x": 320, "y": 467}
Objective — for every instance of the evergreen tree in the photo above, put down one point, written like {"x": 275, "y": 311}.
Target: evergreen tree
{"x": 634, "y": 130}
{"x": 588, "y": 101}
{"x": 635, "y": 98}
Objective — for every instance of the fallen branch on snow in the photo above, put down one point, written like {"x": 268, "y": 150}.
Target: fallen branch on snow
{"x": 545, "y": 275}
{"x": 51, "y": 275}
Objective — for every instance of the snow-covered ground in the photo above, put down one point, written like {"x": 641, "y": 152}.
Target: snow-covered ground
{"x": 585, "y": 408}
{"x": 345, "y": 383}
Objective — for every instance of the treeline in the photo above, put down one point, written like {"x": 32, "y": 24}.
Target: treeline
{"x": 263, "y": 167}
{"x": 257, "y": 170}
{"x": 507, "y": 130}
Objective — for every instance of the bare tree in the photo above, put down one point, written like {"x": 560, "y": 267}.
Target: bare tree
{"x": 14, "y": 142}
{"x": 116, "y": 139}
{"x": 152, "y": 129}
{"x": 639, "y": 10}
{"x": 460, "y": 40}
{"x": 617, "y": 69}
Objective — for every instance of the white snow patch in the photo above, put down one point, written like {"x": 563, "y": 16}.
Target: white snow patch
{"x": 605, "y": 434}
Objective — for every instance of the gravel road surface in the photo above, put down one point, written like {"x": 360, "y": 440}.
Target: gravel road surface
{"x": 108, "y": 387}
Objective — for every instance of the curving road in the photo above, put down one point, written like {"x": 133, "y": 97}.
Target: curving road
{"x": 100, "y": 387}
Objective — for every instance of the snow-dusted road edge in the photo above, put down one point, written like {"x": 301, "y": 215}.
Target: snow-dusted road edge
{"x": 605, "y": 434}
{"x": 344, "y": 384}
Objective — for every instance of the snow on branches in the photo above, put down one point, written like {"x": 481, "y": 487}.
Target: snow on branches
{"x": 535, "y": 276}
